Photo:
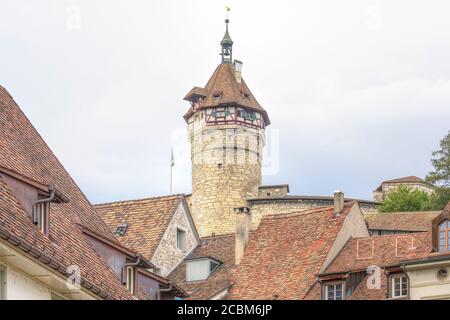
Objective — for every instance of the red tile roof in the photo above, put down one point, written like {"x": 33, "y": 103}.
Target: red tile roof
{"x": 22, "y": 150}
{"x": 404, "y": 221}
{"x": 223, "y": 81}
{"x": 286, "y": 253}
{"x": 360, "y": 253}
{"x": 220, "y": 248}
{"x": 147, "y": 220}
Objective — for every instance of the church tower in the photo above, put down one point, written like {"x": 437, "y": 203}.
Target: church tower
{"x": 226, "y": 132}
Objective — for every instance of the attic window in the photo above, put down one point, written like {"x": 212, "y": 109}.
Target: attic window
{"x": 200, "y": 269}
{"x": 444, "y": 236}
{"x": 181, "y": 239}
{"x": 121, "y": 229}
{"x": 334, "y": 291}
{"x": 217, "y": 94}
{"x": 247, "y": 115}
{"x": 41, "y": 215}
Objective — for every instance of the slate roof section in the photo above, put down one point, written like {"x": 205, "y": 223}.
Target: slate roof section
{"x": 223, "y": 82}
{"x": 401, "y": 221}
{"x": 147, "y": 220}
{"x": 286, "y": 253}
{"x": 23, "y": 151}
{"x": 220, "y": 248}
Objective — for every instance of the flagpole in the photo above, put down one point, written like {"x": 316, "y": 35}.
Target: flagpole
{"x": 171, "y": 169}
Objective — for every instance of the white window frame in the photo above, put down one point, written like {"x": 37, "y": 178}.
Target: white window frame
{"x": 2, "y": 282}
{"x": 403, "y": 281}
{"x": 184, "y": 242}
{"x": 334, "y": 284}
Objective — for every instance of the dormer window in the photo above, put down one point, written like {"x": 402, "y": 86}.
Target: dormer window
{"x": 334, "y": 291}
{"x": 399, "y": 286}
{"x": 41, "y": 214}
{"x": 200, "y": 269}
{"x": 217, "y": 94}
{"x": 121, "y": 229}
{"x": 444, "y": 236}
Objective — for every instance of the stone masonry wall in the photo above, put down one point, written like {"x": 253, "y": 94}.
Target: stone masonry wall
{"x": 264, "y": 207}
{"x": 167, "y": 256}
{"x": 226, "y": 170}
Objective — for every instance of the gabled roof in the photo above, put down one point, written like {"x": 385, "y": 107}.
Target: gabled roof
{"x": 224, "y": 84}
{"x": 220, "y": 248}
{"x": 383, "y": 251}
{"x": 408, "y": 179}
{"x": 147, "y": 220}
{"x": 286, "y": 253}
{"x": 24, "y": 152}
{"x": 401, "y": 221}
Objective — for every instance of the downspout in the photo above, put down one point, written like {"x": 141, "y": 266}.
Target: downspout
{"x": 46, "y": 200}
{"x": 130, "y": 264}
{"x": 409, "y": 281}
{"x": 158, "y": 296}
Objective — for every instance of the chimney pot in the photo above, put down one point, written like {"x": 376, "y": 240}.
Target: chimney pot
{"x": 338, "y": 202}
{"x": 242, "y": 232}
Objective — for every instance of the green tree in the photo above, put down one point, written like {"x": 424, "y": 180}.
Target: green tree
{"x": 439, "y": 199}
{"x": 404, "y": 198}
{"x": 440, "y": 176}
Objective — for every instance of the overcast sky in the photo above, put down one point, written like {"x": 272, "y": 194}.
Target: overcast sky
{"x": 357, "y": 91}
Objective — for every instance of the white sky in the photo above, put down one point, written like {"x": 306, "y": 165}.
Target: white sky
{"x": 359, "y": 91}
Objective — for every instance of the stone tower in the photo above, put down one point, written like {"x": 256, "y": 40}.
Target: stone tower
{"x": 226, "y": 132}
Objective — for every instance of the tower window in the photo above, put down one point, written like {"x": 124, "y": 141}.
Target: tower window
{"x": 181, "y": 239}
{"x": 444, "y": 236}
{"x": 247, "y": 115}
{"x": 219, "y": 166}
{"x": 121, "y": 229}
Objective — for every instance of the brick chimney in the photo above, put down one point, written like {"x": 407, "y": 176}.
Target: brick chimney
{"x": 242, "y": 232}
{"x": 338, "y": 202}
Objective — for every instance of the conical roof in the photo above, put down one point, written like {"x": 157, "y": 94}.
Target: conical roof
{"x": 223, "y": 88}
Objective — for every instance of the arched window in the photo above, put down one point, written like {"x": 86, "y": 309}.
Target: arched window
{"x": 444, "y": 236}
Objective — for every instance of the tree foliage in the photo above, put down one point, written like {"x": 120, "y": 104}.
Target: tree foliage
{"x": 404, "y": 198}
{"x": 440, "y": 176}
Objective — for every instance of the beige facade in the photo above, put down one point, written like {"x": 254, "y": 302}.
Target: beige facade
{"x": 167, "y": 255}
{"x": 380, "y": 194}
{"x": 226, "y": 170}
{"x": 429, "y": 280}
{"x": 22, "y": 278}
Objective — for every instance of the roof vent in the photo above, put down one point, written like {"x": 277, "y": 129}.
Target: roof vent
{"x": 238, "y": 70}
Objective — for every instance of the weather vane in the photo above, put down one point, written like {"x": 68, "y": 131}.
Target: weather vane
{"x": 228, "y": 10}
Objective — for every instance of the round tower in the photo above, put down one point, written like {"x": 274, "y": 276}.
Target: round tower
{"x": 226, "y": 131}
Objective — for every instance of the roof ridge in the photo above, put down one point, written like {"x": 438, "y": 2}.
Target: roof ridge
{"x": 306, "y": 211}
{"x": 104, "y": 204}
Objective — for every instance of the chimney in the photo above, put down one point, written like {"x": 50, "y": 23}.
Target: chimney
{"x": 242, "y": 232}
{"x": 238, "y": 70}
{"x": 338, "y": 202}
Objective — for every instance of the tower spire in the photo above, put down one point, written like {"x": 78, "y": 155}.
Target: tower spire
{"x": 227, "y": 43}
